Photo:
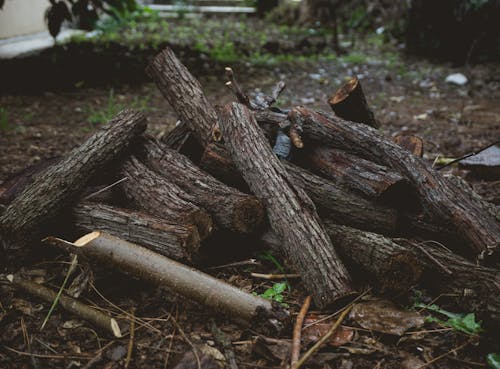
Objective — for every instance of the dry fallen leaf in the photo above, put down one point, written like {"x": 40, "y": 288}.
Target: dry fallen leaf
{"x": 384, "y": 316}
{"x": 313, "y": 332}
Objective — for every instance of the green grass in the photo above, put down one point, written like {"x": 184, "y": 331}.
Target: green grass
{"x": 97, "y": 116}
{"x": 4, "y": 120}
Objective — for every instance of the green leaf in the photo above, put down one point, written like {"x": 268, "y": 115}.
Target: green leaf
{"x": 460, "y": 322}
{"x": 279, "y": 288}
{"x": 493, "y": 360}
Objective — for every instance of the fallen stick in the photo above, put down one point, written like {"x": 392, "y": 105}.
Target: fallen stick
{"x": 156, "y": 195}
{"x": 297, "y": 331}
{"x": 230, "y": 208}
{"x": 32, "y": 213}
{"x": 291, "y": 213}
{"x": 194, "y": 285}
{"x": 69, "y": 304}
{"x": 174, "y": 240}
{"x": 441, "y": 200}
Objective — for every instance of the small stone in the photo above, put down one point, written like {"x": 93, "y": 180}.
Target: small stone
{"x": 457, "y": 79}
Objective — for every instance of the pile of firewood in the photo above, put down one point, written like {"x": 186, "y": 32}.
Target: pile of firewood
{"x": 327, "y": 191}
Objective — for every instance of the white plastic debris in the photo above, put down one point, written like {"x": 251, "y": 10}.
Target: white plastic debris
{"x": 457, "y": 79}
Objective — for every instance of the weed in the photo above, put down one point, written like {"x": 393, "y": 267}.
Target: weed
{"x": 4, "y": 120}
{"x": 113, "y": 107}
{"x": 275, "y": 293}
{"x": 465, "y": 323}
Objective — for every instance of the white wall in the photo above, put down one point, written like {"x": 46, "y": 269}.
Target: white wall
{"x": 21, "y": 17}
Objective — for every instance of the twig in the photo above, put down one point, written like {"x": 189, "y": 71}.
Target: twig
{"x": 42, "y": 356}
{"x": 297, "y": 330}
{"x": 275, "y": 276}
{"x": 130, "y": 341}
{"x": 443, "y": 355}
{"x": 237, "y": 91}
{"x": 323, "y": 339}
{"x": 236, "y": 264}
{"x": 276, "y": 92}
{"x": 434, "y": 260}
{"x": 188, "y": 341}
{"x": 225, "y": 344}
{"x": 105, "y": 188}
{"x": 468, "y": 155}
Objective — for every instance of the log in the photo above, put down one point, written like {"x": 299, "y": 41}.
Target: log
{"x": 194, "y": 285}
{"x": 441, "y": 200}
{"x": 330, "y": 198}
{"x": 363, "y": 176}
{"x": 230, "y": 208}
{"x": 32, "y": 213}
{"x": 396, "y": 267}
{"x": 70, "y": 304}
{"x": 177, "y": 241}
{"x": 291, "y": 213}
{"x": 184, "y": 94}
{"x": 349, "y": 103}
{"x": 160, "y": 197}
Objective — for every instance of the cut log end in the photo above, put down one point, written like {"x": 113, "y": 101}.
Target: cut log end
{"x": 203, "y": 223}
{"x": 344, "y": 91}
{"x": 89, "y": 237}
{"x": 248, "y": 216}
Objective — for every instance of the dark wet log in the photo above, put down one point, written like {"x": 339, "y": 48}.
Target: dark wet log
{"x": 32, "y": 213}
{"x": 360, "y": 175}
{"x": 291, "y": 213}
{"x": 442, "y": 201}
{"x": 330, "y": 198}
{"x": 395, "y": 267}
{"x": 156, "y": 195}
{"x": 349, "y": 103}
{"x": 70, "y": 304}
{"x": 230, "y": 208}
{"x": 184, "y": 94}
{"x": 194, "y": 285}
{"x": 177, "y": 241}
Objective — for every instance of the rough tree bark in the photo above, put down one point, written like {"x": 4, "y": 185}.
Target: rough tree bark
{"x": 158, "y": 196}
{"x": 177, "y": 241}
{"x": 290, "y": 211}
{"x": 331, "y": 199}
{"x": 442, "y": 201}
{"x": 230, "y": 208}
{"x": 184, "y": 94}
{"x": 31, "y": 213}
{"x": 363, "y": 176}
{"x": 335, "y": 201}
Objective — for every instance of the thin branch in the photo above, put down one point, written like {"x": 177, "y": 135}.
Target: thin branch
{"x": 323, "y": 339}
{"x": 468, "y": 155}
{"x": 105, "y": 188}
{"x": 297, "y": 330}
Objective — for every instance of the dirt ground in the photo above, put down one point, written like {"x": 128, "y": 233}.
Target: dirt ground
{"x": 407, "y": 96}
